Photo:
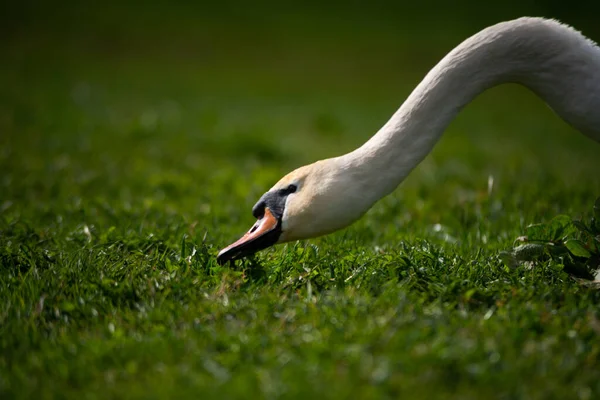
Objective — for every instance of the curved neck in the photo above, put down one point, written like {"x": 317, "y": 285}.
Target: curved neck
{"x": 554, "y": 61}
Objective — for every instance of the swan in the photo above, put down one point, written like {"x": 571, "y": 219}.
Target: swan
{"x": 553, "y": 60}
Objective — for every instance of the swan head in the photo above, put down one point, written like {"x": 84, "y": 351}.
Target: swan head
{"x": 311, "y": 201}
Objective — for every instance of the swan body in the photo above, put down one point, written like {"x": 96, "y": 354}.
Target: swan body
{"x": 553, "y": 60}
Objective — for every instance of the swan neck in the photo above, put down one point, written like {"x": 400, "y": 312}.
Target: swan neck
{"x": 554, "y": 61}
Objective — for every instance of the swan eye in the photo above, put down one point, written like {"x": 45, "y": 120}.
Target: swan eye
{"x": 288, "y": 190}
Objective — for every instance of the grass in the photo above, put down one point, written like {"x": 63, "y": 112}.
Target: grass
{"x": 127, "y": 162}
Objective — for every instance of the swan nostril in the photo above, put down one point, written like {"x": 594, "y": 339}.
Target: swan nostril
{"x": 254, "y": 228}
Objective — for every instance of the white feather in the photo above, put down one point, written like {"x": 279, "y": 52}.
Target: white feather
{"x": 553, "y": 60}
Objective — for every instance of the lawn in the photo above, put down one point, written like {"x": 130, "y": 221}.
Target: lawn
{"x": 133, "y": 144}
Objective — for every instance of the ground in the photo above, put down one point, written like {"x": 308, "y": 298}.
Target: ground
{"x": 129, "y": 157}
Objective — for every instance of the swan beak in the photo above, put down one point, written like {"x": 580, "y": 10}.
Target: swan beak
{"x": 263, "y": 234}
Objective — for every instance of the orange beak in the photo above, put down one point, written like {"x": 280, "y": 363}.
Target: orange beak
{"x": 264, "y": 233}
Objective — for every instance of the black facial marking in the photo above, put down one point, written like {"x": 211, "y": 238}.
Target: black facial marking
{"x": 259, "y": 209}
{"x": 275, "y": 200}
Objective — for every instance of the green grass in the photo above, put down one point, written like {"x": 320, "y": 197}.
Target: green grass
{"x": 126, "y": 163}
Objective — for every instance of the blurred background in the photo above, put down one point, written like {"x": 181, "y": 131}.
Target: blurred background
{"x": 130, "y": 127}
{"x": 174, "y": 104}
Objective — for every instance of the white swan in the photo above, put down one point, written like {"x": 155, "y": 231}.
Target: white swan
{"x": 553, "y": 60}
